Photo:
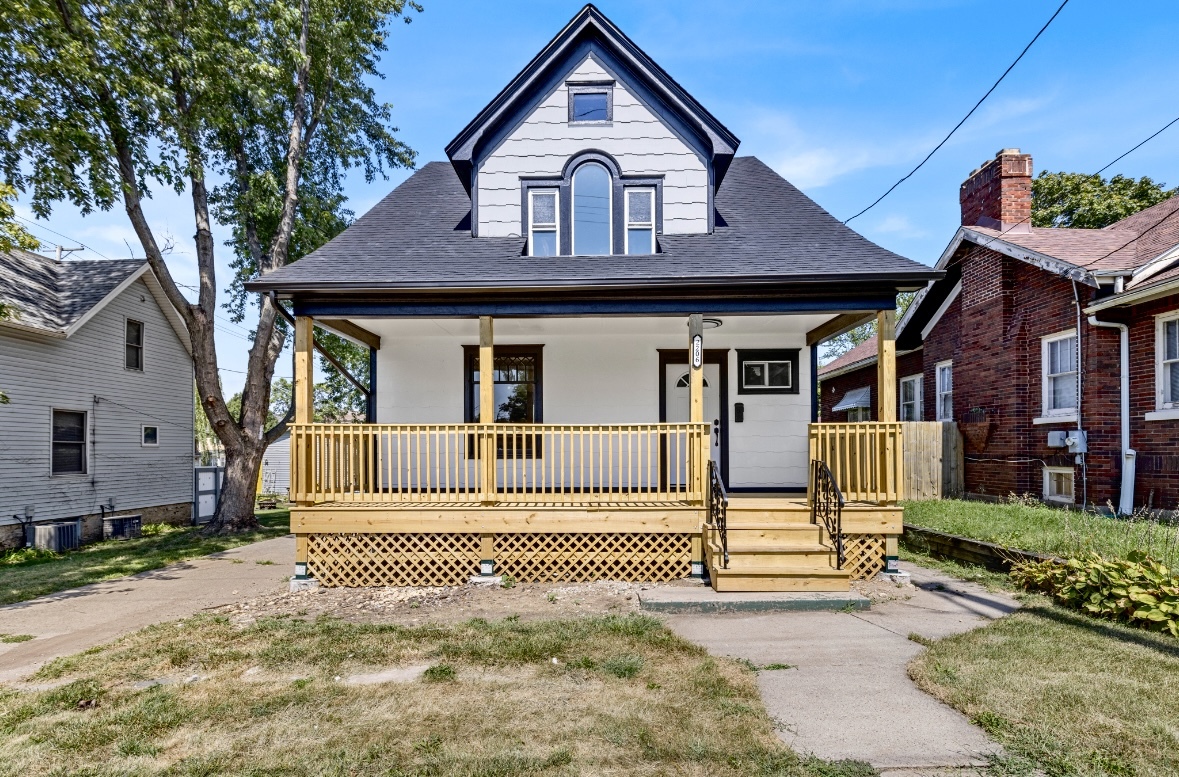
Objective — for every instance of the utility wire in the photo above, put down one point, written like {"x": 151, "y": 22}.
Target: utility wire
{"x": 67, "y": 237}
{"x": 964, "y": 118}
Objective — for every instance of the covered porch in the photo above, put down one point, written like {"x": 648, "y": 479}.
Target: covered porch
{"x": 409, "y": 502}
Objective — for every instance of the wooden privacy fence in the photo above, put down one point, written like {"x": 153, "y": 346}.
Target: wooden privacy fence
{"x": 933, "y": 460}
{"x": 550, "y": 464}
{"x": 865, "y": 459}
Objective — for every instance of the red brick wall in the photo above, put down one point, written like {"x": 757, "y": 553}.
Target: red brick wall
{"x": 1156, "y": 442}
{"x": 833, "y": 389}
{"x": 999, "y": 191}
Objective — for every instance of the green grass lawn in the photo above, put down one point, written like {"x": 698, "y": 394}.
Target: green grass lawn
{"x": 28, "y": 574}
{"x": 603, "y": 695}
{"x": 1044, "y": 529}
{"x": 1063, "y": 693}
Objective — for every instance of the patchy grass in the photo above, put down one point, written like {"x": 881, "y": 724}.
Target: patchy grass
{"x": 14, "y": 638}
{"x": 1063, "y": 693}
{"x": 616, "y": 695}
{"x": 29, "y": 573}
{"x": 1027, "y": 525}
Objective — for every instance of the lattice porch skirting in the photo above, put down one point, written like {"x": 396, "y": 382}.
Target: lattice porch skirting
{"x": 356, "y": 560}
{"x": 863, "y": 555}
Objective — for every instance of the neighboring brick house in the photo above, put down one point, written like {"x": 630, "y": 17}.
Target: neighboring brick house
{"x": 994, "y": 346}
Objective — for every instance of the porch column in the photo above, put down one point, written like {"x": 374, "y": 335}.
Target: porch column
{"x": 487, "y": 446}
{"x": 303, "y": 396}
{"x": 696, "y": 368}
{"x": 886, "y": 365}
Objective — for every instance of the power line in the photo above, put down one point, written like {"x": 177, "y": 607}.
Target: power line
{"x": 67, "y": 237}
{"x": 964, "y": 118}
{"x": 1138, "y": 236}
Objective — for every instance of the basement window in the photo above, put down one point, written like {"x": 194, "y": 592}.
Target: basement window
{"x": 1058, "y": 485}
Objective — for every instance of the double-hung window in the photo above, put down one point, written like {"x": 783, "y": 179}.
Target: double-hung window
{"x": 133, "y": 358}
{"x": 945, "y": 391}
{"x": 1167, "y": 365}
{"x": 640, "y": 221}
{"x": 1059, "y": 374}
{"x": 68, "y": 456}
{"x": 911, "y": 389}
{"x": 542, "y": 222}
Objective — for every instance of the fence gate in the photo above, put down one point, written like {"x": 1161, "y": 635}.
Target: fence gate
{"x": 206, "y": 491}
{"x": 933, "y": 460}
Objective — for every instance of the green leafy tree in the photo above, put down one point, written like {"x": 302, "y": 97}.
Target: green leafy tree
{"x": 12, "y": 234}
{"x": 1090, "y": 201}
{"x": 337, "y": 398}
{"x": 255, "y": 109}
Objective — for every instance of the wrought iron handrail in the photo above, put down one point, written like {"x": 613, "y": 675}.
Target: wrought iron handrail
{"x": 827, "y": 506}
{"x": 718, "y": 509}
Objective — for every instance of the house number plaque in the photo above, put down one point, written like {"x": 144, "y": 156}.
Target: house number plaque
{"x": 697, "y": 351}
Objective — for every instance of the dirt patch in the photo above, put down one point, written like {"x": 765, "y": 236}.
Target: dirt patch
{"x": 410, "y": 606}
{"x": 880, "y": 590}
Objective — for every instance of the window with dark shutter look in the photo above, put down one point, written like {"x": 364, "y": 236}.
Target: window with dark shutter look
{"x": 134, "y": 357}
{"x": 69, "y": 442}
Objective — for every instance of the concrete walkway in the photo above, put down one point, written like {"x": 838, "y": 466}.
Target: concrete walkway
{"x": 71, "y": 621}
{"x": 849, "y": 695}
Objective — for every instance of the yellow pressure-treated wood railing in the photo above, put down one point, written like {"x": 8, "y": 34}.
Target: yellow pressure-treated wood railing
{"x": 545, "y": 464}
{"x": 866, "y": 459}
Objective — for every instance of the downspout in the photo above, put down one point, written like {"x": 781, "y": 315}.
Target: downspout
{"x": 1080, "y": 400}
{"x": 1129, "y": 456}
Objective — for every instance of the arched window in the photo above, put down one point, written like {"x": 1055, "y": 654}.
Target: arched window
{"x": 591, "y": 210}
{"x": 685, "y": 381}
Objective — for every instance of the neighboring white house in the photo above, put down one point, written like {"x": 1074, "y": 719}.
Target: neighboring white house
{"x": 276, "y": 467}
{"x": 95, "y": 366}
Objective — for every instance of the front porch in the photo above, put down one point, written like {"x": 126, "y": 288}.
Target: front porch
{"x": 800, "y": 506}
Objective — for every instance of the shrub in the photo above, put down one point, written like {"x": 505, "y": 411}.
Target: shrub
{"x": 1137, "y": 589}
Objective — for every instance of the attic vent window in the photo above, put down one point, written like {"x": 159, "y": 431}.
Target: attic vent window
{"x": 591, "y": 103}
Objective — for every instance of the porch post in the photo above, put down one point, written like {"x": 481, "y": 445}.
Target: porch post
{"x": 303, "y": 396}
{"x": 487, "y": 405}
{"x": 886, "y": 365}
{"x": 696, "y": 368}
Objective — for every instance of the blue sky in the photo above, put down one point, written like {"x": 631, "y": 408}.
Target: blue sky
{"x": 842, "y": 97}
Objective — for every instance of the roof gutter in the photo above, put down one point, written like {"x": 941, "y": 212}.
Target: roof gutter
{"x": 1133, "y": 297}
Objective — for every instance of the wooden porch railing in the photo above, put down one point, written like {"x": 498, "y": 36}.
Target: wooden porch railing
{"x": 866, "y": 459}
{"x": 550, "y": 464}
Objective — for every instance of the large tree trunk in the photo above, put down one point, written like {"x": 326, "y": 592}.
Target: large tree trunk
{"x": 235, "y": 509}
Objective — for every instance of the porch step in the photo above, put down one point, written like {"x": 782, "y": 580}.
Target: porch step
{"x": 778, "y": 579}
{"x": 771, "y": 531}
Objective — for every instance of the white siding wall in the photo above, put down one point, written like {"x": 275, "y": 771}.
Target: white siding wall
{"x": 42, "y": 373}
{"x": 604, "y": 371}
{"x": 637, "y": 138}
{"x": 276, "y": 466}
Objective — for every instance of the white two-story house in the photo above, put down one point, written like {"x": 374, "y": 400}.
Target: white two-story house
{"x": 591, "y": 325}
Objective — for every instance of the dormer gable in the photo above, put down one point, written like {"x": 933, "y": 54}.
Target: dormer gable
{"x": 592, "y": 119}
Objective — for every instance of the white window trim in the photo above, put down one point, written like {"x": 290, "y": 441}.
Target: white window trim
{"x": 573, "y": 209}
{"x": 918, "y": 394}
{"x": 1048, "y": 472}
{"x": 858, "y": 411}
{"x": 1047, "y": 414}
{"x": 766, "y": 363}
{"x": 86, "y": 462}
{"x": 556, "y": 215}
{"x": 937, "y": 389}
{"x": 143, "y": 433}
{"x": 1160, "y": 344}
{"x": 627, "y": 223}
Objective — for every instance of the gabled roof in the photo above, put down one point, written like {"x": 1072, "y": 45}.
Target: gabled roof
{"x": 58, "y": 298}
{"x": 589, "y": 31}
{"x": 859, "y": 356}
{"x": 1143, "y": 247}
{"x": 419, "y": 237}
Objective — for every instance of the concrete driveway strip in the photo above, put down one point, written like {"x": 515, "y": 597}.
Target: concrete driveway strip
{"x": 71, "y": 621}
{"x": 848, "y": 694}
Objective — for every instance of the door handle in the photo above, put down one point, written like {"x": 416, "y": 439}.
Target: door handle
{"x": 716, "y": 430}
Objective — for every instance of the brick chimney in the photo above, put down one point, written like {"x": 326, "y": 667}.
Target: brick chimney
{"x": 999, "y": 193}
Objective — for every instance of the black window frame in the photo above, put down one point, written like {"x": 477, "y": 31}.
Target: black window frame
{"x": 54, "y": 442}
{"x": 128, "y": 345}
{"x": 592, "y": 87}
{"x": 523, "y": 445}
{"x": 790, "y": 355}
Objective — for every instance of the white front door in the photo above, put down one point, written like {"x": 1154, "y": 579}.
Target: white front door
{"x": 676, "y": 383}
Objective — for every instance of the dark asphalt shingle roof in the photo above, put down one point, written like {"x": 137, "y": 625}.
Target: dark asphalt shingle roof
{"x": 53, "y": 295}
{"x": 419, "y": 237}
